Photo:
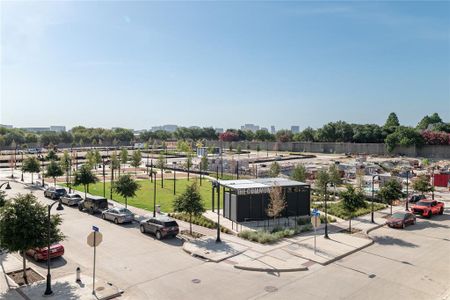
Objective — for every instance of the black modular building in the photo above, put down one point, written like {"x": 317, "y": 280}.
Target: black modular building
{"x": 247, "y": 199}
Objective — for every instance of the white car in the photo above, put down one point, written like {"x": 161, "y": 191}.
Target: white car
{"x": 71, "y": 199}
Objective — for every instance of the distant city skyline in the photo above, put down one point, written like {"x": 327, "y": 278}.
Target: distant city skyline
{"x": 222, "y": 64}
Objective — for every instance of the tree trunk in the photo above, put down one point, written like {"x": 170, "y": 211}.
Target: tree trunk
{"x": 54, "y": 181}
{"x": 126, "y": 202}
{"x": 25, "y": 278}
{"x": 391, "y": 207}
{"x": 88, "y": 187}
{"x": 190, "y": 224}
{"x": 32, "y": 178}
{"x": 84, "y": 192}
{"x": 350, "y": 225}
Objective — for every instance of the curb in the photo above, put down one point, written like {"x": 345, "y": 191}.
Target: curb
{"x": 270, "y": 269}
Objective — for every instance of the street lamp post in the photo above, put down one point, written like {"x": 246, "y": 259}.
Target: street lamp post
{"x": 432, "y": 180}
{"x": 154, "y": 196}
{"x": 104, "y": 179}
{"x": 174, "y": 176}
{"x": 8, "y": 187}
{"x": 21, "y": 179}
{"x": 48, "y": 290}
{"x": 218, "y": 212}
{"x": 151, "y": 170}
{"x": 326, "y": 212}
{"x": 407, "y": 188}
{"x": 373, "y": 191}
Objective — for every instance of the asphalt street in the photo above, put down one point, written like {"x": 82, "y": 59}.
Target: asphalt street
{"x": 412, "y": 263}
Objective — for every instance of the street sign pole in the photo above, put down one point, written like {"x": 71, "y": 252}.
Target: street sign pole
{"x": 315, "y": 220}
{"x": 93, "y": 277}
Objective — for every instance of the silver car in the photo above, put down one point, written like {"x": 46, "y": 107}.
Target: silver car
{"x": 118, "y": 215}
{"x": 71, "y": 199}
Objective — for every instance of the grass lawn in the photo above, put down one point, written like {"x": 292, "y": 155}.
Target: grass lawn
{"x": 144, "y": 196}
{"x": 337, "y": 210}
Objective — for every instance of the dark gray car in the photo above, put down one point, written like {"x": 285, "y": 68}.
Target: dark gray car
{"x": 160, "y": 226}
{"x": 54, "y": 193}
{"x": 118, "y": 215}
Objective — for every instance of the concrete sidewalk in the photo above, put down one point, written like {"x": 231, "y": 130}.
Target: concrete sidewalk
{"x": 63, "y": 288}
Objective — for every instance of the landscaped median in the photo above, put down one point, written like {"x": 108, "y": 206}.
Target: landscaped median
{"x": 267, "y": 237}
{"x": 337, "y": 209}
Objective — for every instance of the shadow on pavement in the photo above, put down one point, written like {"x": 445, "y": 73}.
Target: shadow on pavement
{"x": 388, "y": 240}
{"x": 54, "y": 263}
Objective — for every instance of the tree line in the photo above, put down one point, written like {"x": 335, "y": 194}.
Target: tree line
{"x": 431, "y": 130}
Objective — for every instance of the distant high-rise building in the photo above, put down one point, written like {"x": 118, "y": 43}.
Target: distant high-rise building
{"x": 5, "y": 126}
{"x": 272, "y": 129}
{"x": 295, "y": 129}
{"x": 250, "y": 127}
{"x": 265, "y": 129}
{"x": 45, "y": 129}
{"x": 218, "y": 130}
{"x": 169, "y": 128}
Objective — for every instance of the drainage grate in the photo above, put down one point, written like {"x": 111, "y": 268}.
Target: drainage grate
{"x": 196, "y": 280}
{"x": 270, "y": 289}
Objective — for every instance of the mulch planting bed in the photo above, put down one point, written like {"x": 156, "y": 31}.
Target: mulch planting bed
{"x": 32, "y": 276}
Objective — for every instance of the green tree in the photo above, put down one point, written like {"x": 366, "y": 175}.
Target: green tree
{"x": 123, "y": 156}
{"x": 275, "y": 169}
{"x": 54, "y": 170}
{"x": 321, "y": 182}
{"x": 51, "y": 155}
{"x": 335, "y": 176}
{"x": 161, "y": 164}
{"x": 390, "y": 191}
{"x": 352, "y": 200}
{"x": 299, "y": 173}
{"x": 90, "y": 159}
{"x": 31, "y": 165}
{"x": 85, "y": 177}
{"x": 403, "y": 136}
{"x": 190, "y": 202}
{"x": 2, "y": 198}
{"x": 115, "y": 163}
{"x": 392, "y": 121}
{"x": 126, "y": 187}
{"x": 65, "y": 164}
{"x": 422, "y": 184}
{"x": 97, "y": 158}
{"x": 258, "y": 148}
{"x": 136, "y": 158}
{"x": 23, "y": 226}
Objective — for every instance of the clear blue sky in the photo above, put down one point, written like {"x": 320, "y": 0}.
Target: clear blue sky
{"x": 223, "y": 64}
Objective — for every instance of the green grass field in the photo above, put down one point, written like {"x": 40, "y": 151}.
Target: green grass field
{"x": 144, "y": 196}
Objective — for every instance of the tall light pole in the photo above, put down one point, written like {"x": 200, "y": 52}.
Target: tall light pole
{"x": 21, "y": 179}
{"x": 154, "y": 195}
{"x": 218, "y": 212}
{"x": 8, "y": 187}
{"x": 48, "y": 290}
{"x": 373, "y": 191}
{"x": 104, "y": 178}
{"x": 407, "y": 188}
{"x": 326, "y": 212}
{"x": 432, "y": 180}
{"x": 174, "y": 176}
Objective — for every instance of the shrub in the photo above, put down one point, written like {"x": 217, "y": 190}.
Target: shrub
{"x": 267, "y": 237}
{"x": 199, "y": 220}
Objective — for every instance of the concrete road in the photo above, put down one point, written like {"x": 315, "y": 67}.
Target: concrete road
{"x": 413, "y": 263}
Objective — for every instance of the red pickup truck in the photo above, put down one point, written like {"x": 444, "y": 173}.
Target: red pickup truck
{"x": 427, "y": 208}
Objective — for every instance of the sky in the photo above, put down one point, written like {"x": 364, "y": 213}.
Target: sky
{"x": 222, "y": 64}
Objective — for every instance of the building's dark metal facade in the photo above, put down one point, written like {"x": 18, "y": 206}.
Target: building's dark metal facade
{"x": 247, "y": 200}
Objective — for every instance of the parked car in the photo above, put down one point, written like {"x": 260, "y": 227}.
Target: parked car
{"x": 401, "y": 219}
{"x": 71, "y": 199}
{"x": 415, "y": 198}
{"x": 160, "y": 226}
{"x": 56, "y": 250}
{"x": 118, "y": 215}
{"x": 93, "y": 204}
{"x": 427, "y": 208}
{"x": 54, "y": 193}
